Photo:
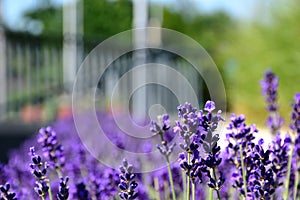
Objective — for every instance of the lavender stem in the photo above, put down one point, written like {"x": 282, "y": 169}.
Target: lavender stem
{"x": 156, "y": 187}
{"x": 217, "y": 190}
{"x": 286, "y": 196}
{"x": 243, "y": 170}
{"x": 193, "y": 191}
{"x": 49, "y": 191}
{"x": 296, "y": 182}
{"x": 184, "y": 185}
{"x": 171, "y": 179}
{"x": 188, "y": 180}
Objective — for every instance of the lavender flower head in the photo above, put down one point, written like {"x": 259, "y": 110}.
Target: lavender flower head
{"x": 52, "y": 150}
{"x": 295, "y": 126}
{"x": 269, "y": 89}
{"x": 127, "y": 183}
{"x": 39, "y": 170}
{"x": 279, "y": 157}
{"x": 188, "y": 126}
{"x": 6, "y": 194}
{"x": 240, "y": 138}
{"x": 198, "y": 132}
{"x": 295, "y": 115}
{"x": 63, "y": 193}
{"x": 164, "y": 148}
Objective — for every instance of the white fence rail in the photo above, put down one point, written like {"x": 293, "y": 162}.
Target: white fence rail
{"x": 34, "y": 78}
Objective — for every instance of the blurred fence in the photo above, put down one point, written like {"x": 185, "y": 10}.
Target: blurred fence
{"x": 34, "y": 78}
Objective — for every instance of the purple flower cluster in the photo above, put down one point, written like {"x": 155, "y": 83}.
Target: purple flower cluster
{"x": 39, "y": 170}
{"x": 53, "y": 151}
{"x": 5, "y": 193}
{"x": 63, "y": 193}
{"x": 239, "y": 138}
{"x": 263, "y": 170}
{"x": 295, "y": 126}
{"x": 246, "y": 167}
{"x": 127, "y": 185}
{"x": 279, "y": 157}
{"x": 269, "y": 89}
{"x": 295, "y": 115}
{"x": 197, "y": 131}
{"x": 164, "y": 148}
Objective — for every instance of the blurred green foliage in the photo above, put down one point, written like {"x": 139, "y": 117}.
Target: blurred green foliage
{"x": 258, "y": 45}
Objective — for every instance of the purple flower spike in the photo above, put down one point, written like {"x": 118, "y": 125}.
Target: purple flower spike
{"x": 81, "y": 192}
{"x": 39, "y": 170}
{"x": 52, "y": 150}
{"x": 198, "y": 133}
{"x": 161, "y": 130}
{"x": 164, "y": 126}
{"x": 279, "y": 159}
{"x": 63, "y": 193}
{"x": 209, "y": 106}
{"x": 127, "y": 183}
{"x": 295, "y": 115}
{"x": 5, "y": 193}
{"x": 269, "y": 89}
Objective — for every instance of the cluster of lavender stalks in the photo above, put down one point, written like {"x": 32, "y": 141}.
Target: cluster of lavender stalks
{"x": 59, "y": 167}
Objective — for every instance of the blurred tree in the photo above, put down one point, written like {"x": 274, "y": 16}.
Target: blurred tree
{"x": 49, "y": 16}
{"x": 271, "y": 40}
{"x": 105, "y": 18}
{"x": 208, "y": 29}
{"x": 102, "y": 18}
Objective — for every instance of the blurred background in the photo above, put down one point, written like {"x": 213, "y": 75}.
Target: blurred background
{"x": 43, "y": 42}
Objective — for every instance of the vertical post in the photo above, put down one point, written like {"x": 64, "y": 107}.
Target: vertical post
{"x": 3, "y": 94}
{"x": 70, "y": 28}
{"x": 140, "y": 20}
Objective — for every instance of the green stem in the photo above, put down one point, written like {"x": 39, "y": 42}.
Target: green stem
{"x": 243, "y": 170}
{"x": 49, "y": 191}
{"x": 188, "y": 179}
{"x": 288, "y": 175}
{"x": 296, "y": 182}
{"x": 210, "y": 193}
{"x": 58, "y": 171}
{"x": 193, "y": 190}
{"x": 183, "y": 181}
{"x": 166, "y": 194}
{"x": 156, "y": 186}
{"x": 171, "y": 179}
{"x": 217, "y": 190}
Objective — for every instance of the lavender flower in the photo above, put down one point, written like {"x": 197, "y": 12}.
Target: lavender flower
{"x": 279, "y": 158}
{"x": 196, "y": 168}
{"x": 240, "y": 138}
{"x": 189, "y": 126}
{"x": 5, "y": 194}
{"x": 208, "y": 125}
{"x": 105, "y": 185}
{"x": 197, "y": 130}
{"x": 52, "y": 150}
{"x": 295, "y": 126}
{"x": 262, "y": 180}
{"x": 63, "y": 193}
{"x": 165, "y": 148}
{"x": 39, "y": 170}
{"x": 295, "y": 115}
{"x": 239, "y": 134}
{"x": 81, "y": 192}
{"x": 127, "y": 183}
{"x": 269, "y": 89}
